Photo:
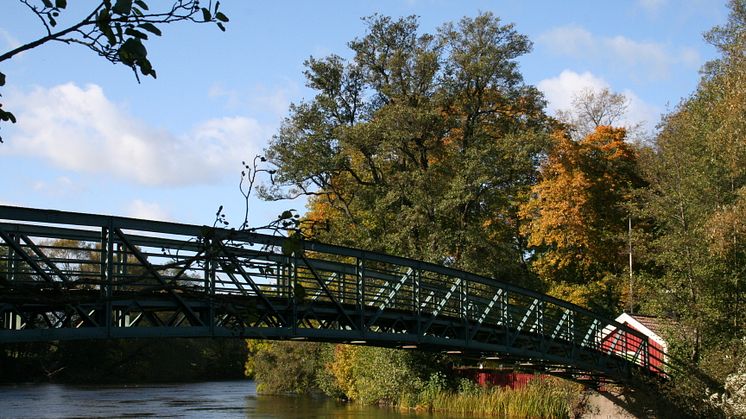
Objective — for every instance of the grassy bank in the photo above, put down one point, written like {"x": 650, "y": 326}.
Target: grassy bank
{"x": 541, "y": 398}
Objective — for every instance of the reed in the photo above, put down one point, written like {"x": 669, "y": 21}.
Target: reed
{"x": 541, "y": 398}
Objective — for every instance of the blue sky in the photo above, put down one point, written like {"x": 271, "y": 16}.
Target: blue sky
{"x": 91, "y": 139}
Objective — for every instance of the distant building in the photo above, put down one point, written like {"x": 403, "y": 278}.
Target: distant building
{"x": 616, "y": 341}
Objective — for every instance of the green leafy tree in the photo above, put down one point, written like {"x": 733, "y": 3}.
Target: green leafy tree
{"x": 116, "y": 30}
{"x": 421, "y": 145}
{"x": 696, "y": 197}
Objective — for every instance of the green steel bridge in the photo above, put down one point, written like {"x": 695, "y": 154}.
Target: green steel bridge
{"x": 66, "y": 275}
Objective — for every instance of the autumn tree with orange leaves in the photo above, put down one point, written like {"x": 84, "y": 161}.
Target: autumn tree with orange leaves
{"x": 576, "y": 217}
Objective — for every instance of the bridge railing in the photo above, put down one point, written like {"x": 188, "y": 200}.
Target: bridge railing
{"x": 111, "y": 273}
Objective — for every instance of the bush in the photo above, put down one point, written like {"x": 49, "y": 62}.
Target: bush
{"x": 288, "y": 367}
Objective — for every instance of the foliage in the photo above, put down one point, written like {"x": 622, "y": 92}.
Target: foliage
{"x": 433, "y": 388}
{"x": 695, "y": 199}
{"x": 727, "y": 362}
{"x": 733, "y": 400}
{"x": 288, "y": 367}
{"x": 374, "y": 375}
{"x": 253, "y": 347}
{"x": 115, "y": 30}
{"x": 576, "y": 217}
{"x": 421, "y": 145}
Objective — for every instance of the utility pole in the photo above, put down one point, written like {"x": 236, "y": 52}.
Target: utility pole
{"x": 631, "y": 285}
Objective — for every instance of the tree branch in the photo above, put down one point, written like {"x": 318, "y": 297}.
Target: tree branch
{"x": 50, "y": 36}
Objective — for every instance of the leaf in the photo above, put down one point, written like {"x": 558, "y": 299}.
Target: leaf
{"x": 206, "y": 15}
{"x": 132, "y": 51}
{"x": 146, "y": 68}
{"x": 141, "y": 4}
{"x": 110, "y": 35}
{"x": 47, "y": 3}
{"x": 7, "y": 116}
{"x": 2, "y": 79}
{"x": 103, "y": 20}
{"x": 60, "y": 4}
{"x": 221, "y": 17}
{"x": 221, "y": 26}
{"x": 151, "y": 28}
{"x": 122, "y": 7}
{"x": 135, "y": 33}
{"x": 52, "y": 21}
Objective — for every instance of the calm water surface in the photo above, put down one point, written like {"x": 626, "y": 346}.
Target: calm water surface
{"x": 224, "y": 399}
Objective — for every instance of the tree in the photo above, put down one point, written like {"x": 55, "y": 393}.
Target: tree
{"x": 696, "y": 197}
{"x": 593, "y": 108}
{"x": 576, "y": 216}
{"x": 114, "y": 30}
{"x": 422, "y": 145}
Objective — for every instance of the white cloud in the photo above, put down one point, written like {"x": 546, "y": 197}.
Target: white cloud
{"x": 57, "y": 187}
{"x": 79, "y": 129}
{"x": 147, "y": 211}
{"x": 643, "y": 54}
{"x": 651, "y": 6}
{"x": 570, "y": 40}
{"x": 559, "y": 92}
{"x": 690, "y": 57}
{"x": 259, "y": 99}
{"x": 651, "y": 59}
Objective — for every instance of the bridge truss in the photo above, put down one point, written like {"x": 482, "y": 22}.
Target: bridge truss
{"x": 70, "y": 276}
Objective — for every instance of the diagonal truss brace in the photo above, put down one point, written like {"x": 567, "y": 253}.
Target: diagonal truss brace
{"x": 328, "y": 281}
{"x": 32, "y": 263}
{"x": 407, "y": 275}
{"x": 248, "y": 279}
{"x": 564, "y": 333}
{"x": 328, "y": 293}
{"x": 592, "y": 330}
{"x": 531, "y": 309}
{"x": 486, "y": 312}
{"x": 154, "y": 273}
{"x": 44, "y": 258}
{"x": 442, "y": 304}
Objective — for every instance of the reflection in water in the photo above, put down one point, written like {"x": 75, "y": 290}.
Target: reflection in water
{"x": 224, "y": 399}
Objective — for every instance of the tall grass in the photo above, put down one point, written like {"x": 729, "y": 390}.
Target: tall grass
{"x": 541, "y": 398}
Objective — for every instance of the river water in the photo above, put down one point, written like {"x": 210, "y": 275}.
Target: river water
{"x": 222, "y": 399}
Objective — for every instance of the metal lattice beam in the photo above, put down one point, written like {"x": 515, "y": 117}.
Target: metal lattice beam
{"x": 137, "y": 278}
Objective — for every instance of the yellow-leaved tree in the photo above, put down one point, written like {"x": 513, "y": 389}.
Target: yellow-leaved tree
{"x": 576, "y": 218}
